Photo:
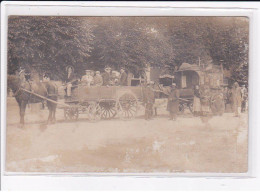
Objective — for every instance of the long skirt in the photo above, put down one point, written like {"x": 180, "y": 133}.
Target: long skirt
{"x": 196, "y": 104}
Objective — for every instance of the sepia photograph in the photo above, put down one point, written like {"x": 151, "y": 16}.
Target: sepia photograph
{"x": 116, "y": 94}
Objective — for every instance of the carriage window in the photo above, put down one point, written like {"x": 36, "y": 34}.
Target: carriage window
{"x": 183, "y": 81}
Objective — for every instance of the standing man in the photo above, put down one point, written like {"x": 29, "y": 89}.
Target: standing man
{"x": 87, "y": 79}
{"x": 173, "y": 102}
{"x": 123, "y": 77}
{"x": 71, "y": 80}
{"x": 98, "y": 80}
{"x": 148, "y": 99}
{"x": 107, "y": 76}
{"x": 236, "y": 99}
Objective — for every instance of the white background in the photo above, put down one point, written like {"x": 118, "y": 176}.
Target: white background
{"x": 46, "y": 182}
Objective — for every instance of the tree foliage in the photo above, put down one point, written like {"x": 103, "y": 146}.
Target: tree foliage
{"x": 52, "y": 43}
{"x": 48, "y": 43}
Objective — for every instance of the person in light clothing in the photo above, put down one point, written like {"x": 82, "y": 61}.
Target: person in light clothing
{"x": 196, "y": 101}
{"x": 87, "y": 79}
{"x": 98, "y": 80}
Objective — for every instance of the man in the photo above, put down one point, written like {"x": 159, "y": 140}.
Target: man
{"x": 107, "y": 76}
{"x": 98, "y": 80}
{"x": 173, "y": 102}
{"x": 87, "y": 79}
{"x": 236, "y": 99}
{"x": 123, "y": 77}
{"x": 244, "y": 98}
{"x": 71, "y": 80}
{"x": 148, "y": 99}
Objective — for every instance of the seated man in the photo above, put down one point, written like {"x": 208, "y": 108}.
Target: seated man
{"x": 87, "y": 79}
{"x": 123, "y": 77}
{"x": 98, "y": 80}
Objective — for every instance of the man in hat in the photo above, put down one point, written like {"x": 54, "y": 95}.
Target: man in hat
{"x": 173, "y": 102}
{"x": 148, "y": 99}
{"x": 123, "y": 77}
{"x": 87, "y": 79}
{"x": 71, "y": 80}
{"x": 107, "y": 76}
{"x": 98, "y": 80}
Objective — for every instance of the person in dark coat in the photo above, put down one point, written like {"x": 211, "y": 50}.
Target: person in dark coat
{"x": 123, "y": 77}
{"x": 70, "y": 80}
{"x": 173, "y": 102}
{"x": 148, "y": 99}
{"x": 107, "y": 76}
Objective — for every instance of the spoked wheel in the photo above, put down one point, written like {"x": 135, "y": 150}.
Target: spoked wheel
{"x": 181, "y": 108}
{"x": 94, "y": 112}
{"x": 190, "y": 105}
{"x": 71, "y": 113}
{"x": 107, "y": 109}
{"x": 127, "y": 105}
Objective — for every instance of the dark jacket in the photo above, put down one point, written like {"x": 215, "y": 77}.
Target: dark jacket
{"x": 148, "y": 95}
{"x": 71, "y": 78}
{"x": 123, "y": 79}
{"x": 173, "y": 101}
{"x": 106, "y": 78}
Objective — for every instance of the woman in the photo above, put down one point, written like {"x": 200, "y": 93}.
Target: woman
{"x": 205, "y": 100}
{"x": 196, "y": 101}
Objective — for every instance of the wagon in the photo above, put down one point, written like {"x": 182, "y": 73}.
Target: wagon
{"x": 187, "y": 76}
{"x": 103, "y": 102}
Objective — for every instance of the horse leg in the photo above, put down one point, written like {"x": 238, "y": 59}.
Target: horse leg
{"x": 22, "y": 106}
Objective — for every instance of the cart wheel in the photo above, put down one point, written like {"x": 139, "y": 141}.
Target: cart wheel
{"x": 94, "y": 112}
{"x": 71, "y": 113}
{"x": 127, "y": 105}
{"x": 191, "y": 107}
{"x": 181, "y": 108}
{"x": 107, "y": 109}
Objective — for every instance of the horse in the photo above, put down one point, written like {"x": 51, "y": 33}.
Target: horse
{"x": 45, "y": 89}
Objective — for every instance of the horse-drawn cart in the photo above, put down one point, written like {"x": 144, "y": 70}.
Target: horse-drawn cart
{"x": 103, "y": 102}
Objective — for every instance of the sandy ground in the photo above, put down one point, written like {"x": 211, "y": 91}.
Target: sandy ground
{"x": 159, "y": 145}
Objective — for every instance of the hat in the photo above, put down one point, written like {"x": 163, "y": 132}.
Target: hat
{"x": 107, "y": 67}
{"x": 97, "y": 71}
{"x": 88, "y": 70}
{"x": 67, "y": 68}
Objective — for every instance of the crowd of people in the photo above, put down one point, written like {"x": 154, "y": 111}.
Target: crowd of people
{"x": 92, "y": 78}
{"x": 234, "y": 99}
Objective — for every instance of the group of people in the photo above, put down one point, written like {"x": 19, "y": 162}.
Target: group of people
{"x": 235, "y": 98}
{"x": 91, "y": 78}
{"x": 201, "y": 101}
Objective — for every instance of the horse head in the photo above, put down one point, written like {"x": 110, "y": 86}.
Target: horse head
{"x": 13, "y": 82}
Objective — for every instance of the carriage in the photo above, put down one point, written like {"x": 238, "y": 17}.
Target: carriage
{"x": 103, "y": 102}
{"x": 188, "y": 76}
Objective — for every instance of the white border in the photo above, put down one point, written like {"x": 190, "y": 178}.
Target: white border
{"x": 250, "y": 9}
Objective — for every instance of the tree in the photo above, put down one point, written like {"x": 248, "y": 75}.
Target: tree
{"x": 129, "y": 42}
{"x": 48, "y": 43}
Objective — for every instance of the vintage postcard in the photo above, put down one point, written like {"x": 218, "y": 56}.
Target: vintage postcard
{"x": 127, "y": 94}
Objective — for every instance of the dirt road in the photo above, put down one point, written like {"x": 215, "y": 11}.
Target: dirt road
{"x": 159, "y": 145}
